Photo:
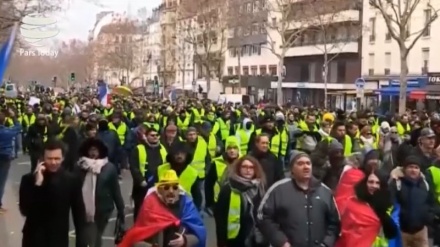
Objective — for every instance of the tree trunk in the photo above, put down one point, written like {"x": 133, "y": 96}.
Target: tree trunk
{"x": 403, "y": 81}
{"x": 325, "y": 78}
{"x": 239, "y": 71}
{"x": 280, "y": 99}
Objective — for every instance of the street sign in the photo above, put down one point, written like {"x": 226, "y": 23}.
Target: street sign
{"x": 360, "y": 82}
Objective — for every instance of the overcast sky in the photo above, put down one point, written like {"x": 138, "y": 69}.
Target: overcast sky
{"x": 79, "y": 18}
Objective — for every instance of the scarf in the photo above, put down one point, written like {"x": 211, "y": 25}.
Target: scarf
{"x": 249, "y": 189}
{"x": 92, "y": 168}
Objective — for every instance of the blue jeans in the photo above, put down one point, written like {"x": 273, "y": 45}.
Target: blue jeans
{"x": 5, "y": 164}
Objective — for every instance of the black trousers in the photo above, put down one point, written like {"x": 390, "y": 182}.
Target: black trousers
{"x": 138, "y": 196}
{"x": 34, "y": 161}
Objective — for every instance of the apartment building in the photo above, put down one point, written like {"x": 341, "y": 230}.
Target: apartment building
{"x": 326, "y": 45}
{"x": 167, "y": 20}
{"x": 381, "y": 54}
{"x": 117, "y": 50}
{"x": 153, "y": 48}
{"x": 201, "y": 39}
{"x": 248, "y": 59}
{"x": 185, "y": 67}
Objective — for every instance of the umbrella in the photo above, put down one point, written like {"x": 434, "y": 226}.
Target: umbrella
{"x": 122, "y": 91}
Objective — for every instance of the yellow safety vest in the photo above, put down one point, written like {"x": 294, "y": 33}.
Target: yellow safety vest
{"x": 186, "y": 179}
{"x": 143, "y": 160}
{"x": 304, "y": 127}
{"x": 45, "y": 135}
{"x": 61, "y": 134}
{"x": 198, "y": 115}
{"x": 121, "y": 130}
{"x": 200, "y": 153}
{"x": 183, "y": 125}
{"x": 224, "y": 128}
{"x": 234, "y": 215}
{"x": 108, "y": 112}
{"x": 284, "y": 139}
{"x": 29, "y": 120}
{"x": 220, "y": 168}
{"x": 401, "y": 130}
{"x": 275, "y": 143}
{"x": 244, "y": 141}
{"x": 212, "y": 145}
{"x": 435, "y": 173}
{"x": 348, "y": 146}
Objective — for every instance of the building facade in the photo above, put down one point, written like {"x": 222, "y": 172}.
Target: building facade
{"x": 321, "y": 45}
{"x": 153, "y": 47}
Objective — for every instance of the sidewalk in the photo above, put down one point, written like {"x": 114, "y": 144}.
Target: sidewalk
{"x": 11, "y": 222}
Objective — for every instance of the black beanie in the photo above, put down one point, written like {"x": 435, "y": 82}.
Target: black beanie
{"x": 411, "y": 160}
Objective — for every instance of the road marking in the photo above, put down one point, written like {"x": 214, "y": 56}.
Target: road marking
{"x": 26, "y": 163}
{"x": 72, "y": 233}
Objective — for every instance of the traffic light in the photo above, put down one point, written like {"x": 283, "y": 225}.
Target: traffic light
{"x": 72, "y": 76}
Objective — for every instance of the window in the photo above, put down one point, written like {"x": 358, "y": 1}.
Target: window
{"x": 373, "y": 29}
{"x": 263, "y": 70}
{"x": 237, "y": 70}
{"x": 232, "y": 52}
{"x": 256, "y": 49}
{"x": 230, "y": 70}
{"x": 273, "y": 70}
{"x": 425, "y": 61}
{"x": 263, "y": 28}
{"x": 388, "y": 34}
{"x": 255, "y": 29}
{"x": 342, "y": 70}
{"x": 246, "y": 31}
{"x": 387, "y": 69}
{"x": 427, "y": 31}
{"x": 371, "y": 64}
{"x": 254, "y": 70}
{"x": 274, "y": 21}
{"x": 245, "y": 70}
{"x": 304, "y": 72}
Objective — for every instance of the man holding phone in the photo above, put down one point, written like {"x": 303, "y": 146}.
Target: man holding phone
{"x": 7, "y": 135}
{"x": 46, "y": 197}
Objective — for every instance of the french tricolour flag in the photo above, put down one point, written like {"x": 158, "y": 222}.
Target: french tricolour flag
{"x": 104, "y": 94}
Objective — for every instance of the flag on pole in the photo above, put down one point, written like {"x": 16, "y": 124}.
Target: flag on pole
{"x": 104, "y": 94}
{"x": 6, "y": 51}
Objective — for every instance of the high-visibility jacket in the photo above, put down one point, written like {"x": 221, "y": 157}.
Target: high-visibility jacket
{"x": 63, "y": 131}
{"x": 244, "y": 138}
{"x": 183, "y": 125}
{"x": 121, "y": 130}
{"x": 198, "y": 114}
{"x": 234, "y": 215}
{"x": 435, "y": 174}
{"x": 199, "y": 157}
{"x": 220, "y": 168}
{"x": 403, "y": 130}
{"x": 348, "y": 145}
{"x": 186, "y": 179}
{"x": 108, "y": 112}
{"x": 225, "y": 127}
{"x": 29, "y": 120}
{"x": 143, "y": 159}
{"x": 212, "y": 145}
{"x": 277, "y": 142}
{"x": 302, "y": 125}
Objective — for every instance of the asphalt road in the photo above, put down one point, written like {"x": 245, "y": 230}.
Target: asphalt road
{"x": 11, "y": 222}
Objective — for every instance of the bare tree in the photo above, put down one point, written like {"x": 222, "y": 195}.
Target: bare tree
{"x": 397, "y": 16}
{"x": 206, "y": 33}
{"x": 120, "y": 48}
{"x": 281, "y": 26}
{"x": 242, "y": 20}
{"x": 330, "y": 27}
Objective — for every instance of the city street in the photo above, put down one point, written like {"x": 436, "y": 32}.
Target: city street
{"x": 11, "y": 223}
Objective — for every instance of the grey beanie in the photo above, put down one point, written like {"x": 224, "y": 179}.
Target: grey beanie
{"x": 335, "y": 145}
{"x": 296, "y": 154}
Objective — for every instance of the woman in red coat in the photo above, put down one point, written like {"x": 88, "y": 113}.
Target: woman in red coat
{"x": 365, "y": 216}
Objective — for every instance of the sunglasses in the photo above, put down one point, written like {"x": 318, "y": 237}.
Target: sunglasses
{"x": 393, "y": 132}
{"x": 169, "y": 186}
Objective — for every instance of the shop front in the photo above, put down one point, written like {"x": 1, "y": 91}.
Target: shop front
{"x": 430, "y": 94}
{"x": 389, "y": 94}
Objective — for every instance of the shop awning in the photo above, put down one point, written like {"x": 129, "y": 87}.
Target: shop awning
{"x": 432, "y": 92}
{"x": 393, "y": 91}
{"x": 417, "y": 95}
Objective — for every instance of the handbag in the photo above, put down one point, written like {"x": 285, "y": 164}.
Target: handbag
{"x": 119, "y": 231}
